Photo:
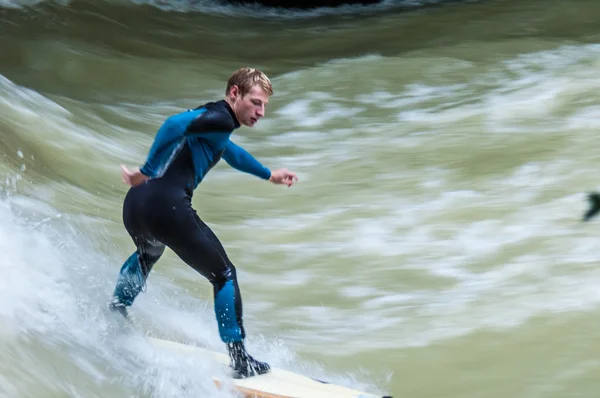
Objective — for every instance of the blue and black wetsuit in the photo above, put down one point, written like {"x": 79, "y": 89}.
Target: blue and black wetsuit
{"x": 159, "y": 213}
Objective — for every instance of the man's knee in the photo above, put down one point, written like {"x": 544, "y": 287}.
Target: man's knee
{"x": 153, "y": 249}
{"x": 219, "y": 279}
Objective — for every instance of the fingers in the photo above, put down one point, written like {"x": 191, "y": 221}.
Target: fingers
{"x": 290, "y": 179}
{"x": 284, "y": 176}
{"x": 125, "y": 175}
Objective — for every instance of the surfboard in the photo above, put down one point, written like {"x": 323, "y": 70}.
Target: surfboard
{"x": 278, "y": 383}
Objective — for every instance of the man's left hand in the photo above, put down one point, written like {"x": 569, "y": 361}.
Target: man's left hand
{"x": 283, "y": 176}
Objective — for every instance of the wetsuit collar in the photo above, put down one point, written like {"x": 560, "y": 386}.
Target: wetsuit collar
{"x": 231, "y": 112}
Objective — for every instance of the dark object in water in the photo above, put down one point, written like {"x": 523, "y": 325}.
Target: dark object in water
{"x": 304, "y": 4}
{"x": 594, "y": 199}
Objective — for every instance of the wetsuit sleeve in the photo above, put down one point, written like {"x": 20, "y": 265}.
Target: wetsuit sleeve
{"x": 240, "y": 159}
{"x": 209, "y": 124}
{"x": 167, "y": 138}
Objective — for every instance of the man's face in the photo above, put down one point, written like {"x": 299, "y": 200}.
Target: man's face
{"x": 251, "y": 107}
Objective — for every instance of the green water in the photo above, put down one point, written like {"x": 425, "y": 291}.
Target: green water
{"x": 432, "y": 247}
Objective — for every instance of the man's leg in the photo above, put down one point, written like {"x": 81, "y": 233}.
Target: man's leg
{"x": 198, "y": 246}
{"x": 134, "y": 272}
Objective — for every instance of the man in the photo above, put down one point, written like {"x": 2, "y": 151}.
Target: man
{"x": 157, "y": 211}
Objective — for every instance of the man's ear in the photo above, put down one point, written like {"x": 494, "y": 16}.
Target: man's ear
{"x": 234, "y": 92}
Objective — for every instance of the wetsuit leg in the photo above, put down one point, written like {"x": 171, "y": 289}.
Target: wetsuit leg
{"x": 194, "y": 242}
{"x": 135, "y": 270}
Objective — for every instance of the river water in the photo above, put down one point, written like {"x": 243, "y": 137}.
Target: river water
{"x": 433, "y": 246}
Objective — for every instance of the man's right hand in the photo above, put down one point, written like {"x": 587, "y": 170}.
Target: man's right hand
{"x": 133, "y": 177}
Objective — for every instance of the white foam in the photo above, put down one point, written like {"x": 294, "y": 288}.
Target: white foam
{"x": 52, "y": 293}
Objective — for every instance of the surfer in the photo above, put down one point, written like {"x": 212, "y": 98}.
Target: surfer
{"x": 158, "y": 213}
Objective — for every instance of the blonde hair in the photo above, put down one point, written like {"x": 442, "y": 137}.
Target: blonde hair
{"x": 246, "y": 78}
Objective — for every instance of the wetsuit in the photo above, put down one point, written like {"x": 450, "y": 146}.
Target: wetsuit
{"x": 159, "y": 213}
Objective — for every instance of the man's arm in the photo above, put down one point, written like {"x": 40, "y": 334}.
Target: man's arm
{"x": 208, "y": 123}
{"x": 240, "y": 159}
{"x": 165, "y": 141}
